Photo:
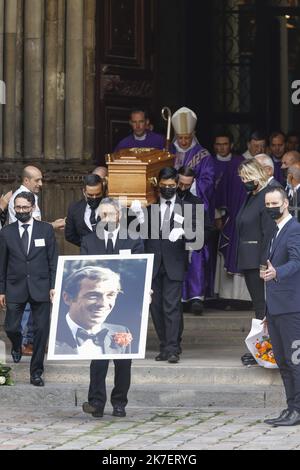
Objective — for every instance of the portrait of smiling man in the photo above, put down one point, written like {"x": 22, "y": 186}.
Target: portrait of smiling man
{"x": 90, "y": 293}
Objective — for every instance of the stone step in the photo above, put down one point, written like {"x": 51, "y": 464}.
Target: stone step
{"x": 145, "y": 396}
{"x": 196, "y": 367}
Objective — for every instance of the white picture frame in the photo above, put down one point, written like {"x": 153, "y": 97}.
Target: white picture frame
{"x": 129, "y": 314}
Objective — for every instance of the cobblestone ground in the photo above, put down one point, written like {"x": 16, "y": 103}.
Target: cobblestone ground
{"x": 146, "y": 429}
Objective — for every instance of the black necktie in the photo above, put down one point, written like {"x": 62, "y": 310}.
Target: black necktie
{"x": 276, "y": 230}
{"x": 165, "y": 226}
{"x": 93, "y": 220}
{"x": 25, "y": 238}
{"x": 98, "y": 339}
{"x": 110, "y": 245}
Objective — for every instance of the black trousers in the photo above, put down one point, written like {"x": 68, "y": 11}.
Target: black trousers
{"x": 284, "y": 332}
{"x": 41, "y": 323}
{"x": 97, "y": 390}
{"x": 256, "y": 288}
{"x": 166, "y": 311}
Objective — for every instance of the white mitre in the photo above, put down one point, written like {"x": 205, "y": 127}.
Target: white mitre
{"x": 184, "y": 121}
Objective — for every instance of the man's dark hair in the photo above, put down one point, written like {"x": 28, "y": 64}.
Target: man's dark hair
{"x": 94, "y": 273}
{"x": 139, "y": 110}
{"x": 26, "y": 195}
{"x": 187, "y": 171}
{"x": 277, "y": 134}
{"x": 92, "y": 180}
{"x": 223, "y": 133}
{"x": 168, "y": 173}
{"x": 293, "y": 133}
{"x": 257, "y": 135}
{"x": 278, "y": 190}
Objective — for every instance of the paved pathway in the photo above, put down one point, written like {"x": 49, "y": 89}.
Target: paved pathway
{"x": 148, "y": 429}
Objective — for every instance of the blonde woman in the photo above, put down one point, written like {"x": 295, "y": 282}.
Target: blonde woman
{"x": 255, "y": 229}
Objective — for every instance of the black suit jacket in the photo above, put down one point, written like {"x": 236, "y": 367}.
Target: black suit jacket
{"x": 76, "y": 227}
{"x": 33, "y": 274}
{"x": 274, "y": 184}
{"x": 209, "y": 228}
{"x": 255, "y": 229}
{"x": 295, "y": 202}
{"x": 92, "y": 245}
{"x": 173, "y": 255}
{"x": 3, "y": 215}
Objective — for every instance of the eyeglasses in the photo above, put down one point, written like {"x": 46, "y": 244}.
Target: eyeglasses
{"x": 23, "y": 208}
{"x": 168, "y": 186}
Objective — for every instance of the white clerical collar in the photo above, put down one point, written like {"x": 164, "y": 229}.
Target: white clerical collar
{"x": 74, "y": 327}
{"x": 224, "y": 159}
{"x": 143, "y": 137}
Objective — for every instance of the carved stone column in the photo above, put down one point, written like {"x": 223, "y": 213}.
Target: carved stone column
{"x": 33, "y": 79}
{"x": 50, "y": 98}
{"x": 89, "y": 78}
{"x": 74, "y": 80}
{"x": 61, "y": 80}
{"x": 10, "y": 54}
{"x": 1, "y": 69}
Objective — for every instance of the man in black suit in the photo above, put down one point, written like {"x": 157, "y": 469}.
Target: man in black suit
{"x": 282, "y": 278}
{"x": 107, "y": 241}
{"x": 294, "y": 190}
{"x": 169, "y": 231}
{"x": 27, "y": 274}
{"x": 82, "y": 215}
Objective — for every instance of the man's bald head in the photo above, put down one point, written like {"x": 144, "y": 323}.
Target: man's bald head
{"x": 32, "y": 179}
{"x": 294, "y": 174}
{"x": 289, "y": 159}
{"x": 101, "y": 171}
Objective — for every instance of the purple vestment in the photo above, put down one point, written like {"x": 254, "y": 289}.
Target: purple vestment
{"x": 278, "y": 173}
{"x": 152, "y": 140}
{"x": 230, "y": 195}
{"x": 199, "y": 277}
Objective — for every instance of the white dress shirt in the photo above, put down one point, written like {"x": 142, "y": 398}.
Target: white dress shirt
{"x": 282, "y": 223}
{"x": 164, "y": 205}
{"x": 114, "y": 236}
{"x": 87, "y": 216}
{"x": 88, "y": 348}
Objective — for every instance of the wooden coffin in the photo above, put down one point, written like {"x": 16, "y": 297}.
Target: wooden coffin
{"x": 132, "y": 173}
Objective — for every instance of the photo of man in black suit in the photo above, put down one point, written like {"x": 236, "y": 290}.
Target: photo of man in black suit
{"x": 90, "y": 294}
{"x": 27, "y": 274}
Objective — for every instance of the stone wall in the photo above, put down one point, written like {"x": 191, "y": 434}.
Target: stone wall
{"x": 47, "y": 60}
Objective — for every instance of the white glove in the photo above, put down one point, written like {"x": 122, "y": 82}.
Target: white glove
{"x": 175, "y": 234}
{"x": 136, "y": 207}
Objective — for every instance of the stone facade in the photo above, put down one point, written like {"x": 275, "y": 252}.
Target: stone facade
{"x": 47, "y": 60}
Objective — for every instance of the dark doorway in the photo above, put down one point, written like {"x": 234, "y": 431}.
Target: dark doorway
{"x": 231, "y": 61}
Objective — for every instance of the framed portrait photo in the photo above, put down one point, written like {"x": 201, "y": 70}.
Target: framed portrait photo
{"x": 101, "y": 307}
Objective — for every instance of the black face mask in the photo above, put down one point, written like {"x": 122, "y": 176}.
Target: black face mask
{"x": 250, "y": 186}
{"x": 23, "y": 217}
{"x": 182, "y": 193}
{"x": 93, "y": 202}
{"x": 274, "y": 212}
{"x": 168, "y": 193}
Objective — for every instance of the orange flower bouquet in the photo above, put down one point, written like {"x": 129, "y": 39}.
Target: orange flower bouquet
{"x": 259, "y": 344}
{"x": 265, "y": 350}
